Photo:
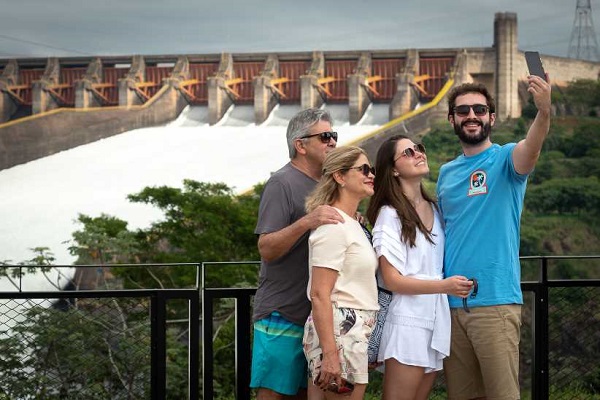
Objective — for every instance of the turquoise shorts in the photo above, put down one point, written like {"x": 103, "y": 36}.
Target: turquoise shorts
{"x": 278, "y": 361}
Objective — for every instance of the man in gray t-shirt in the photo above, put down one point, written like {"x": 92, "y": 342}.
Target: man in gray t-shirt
{"x": 280, "y": 305}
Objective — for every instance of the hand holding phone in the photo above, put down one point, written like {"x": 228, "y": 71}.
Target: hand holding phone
{"x": 344, "y": 389}
{"x": 534, "y": 64}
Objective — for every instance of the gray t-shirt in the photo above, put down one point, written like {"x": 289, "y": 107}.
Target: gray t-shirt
{"x": 282, "y": 282}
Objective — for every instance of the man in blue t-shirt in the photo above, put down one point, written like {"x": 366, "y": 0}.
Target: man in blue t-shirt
{"x": 481, "y": 194}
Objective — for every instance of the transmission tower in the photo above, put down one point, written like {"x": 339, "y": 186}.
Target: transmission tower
{"x": 583, "y": 45}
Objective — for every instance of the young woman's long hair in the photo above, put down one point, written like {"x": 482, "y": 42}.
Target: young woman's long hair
{"x": 388, "y": 191}
{"x": 327, "y": 190}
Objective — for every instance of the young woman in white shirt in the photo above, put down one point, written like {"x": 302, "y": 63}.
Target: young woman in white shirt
{"x": 408, "y": 238}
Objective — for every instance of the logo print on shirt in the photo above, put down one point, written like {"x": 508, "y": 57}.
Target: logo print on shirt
{"x": 478, "y": 183}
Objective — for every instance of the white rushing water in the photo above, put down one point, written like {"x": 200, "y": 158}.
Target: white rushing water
{"x": 40, "y": 200}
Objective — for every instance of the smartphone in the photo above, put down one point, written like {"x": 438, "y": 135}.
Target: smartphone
{"x": 344, "y": 389}
{"x": 534, "y": 64}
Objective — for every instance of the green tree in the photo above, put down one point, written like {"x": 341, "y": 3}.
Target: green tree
{"x": 103, "y": 240}
{"x": 577, "y": 195}
{"x": 584, "y": 93}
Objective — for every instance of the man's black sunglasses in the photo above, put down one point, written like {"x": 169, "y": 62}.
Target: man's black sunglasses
{"x": 472, "y": 295}
{"x": 463, "y": 110}
{"x": 365, "y": 169}
{"x": 324, "y": 136}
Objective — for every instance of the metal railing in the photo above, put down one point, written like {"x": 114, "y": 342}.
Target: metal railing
{"x": 106, "y": 343}
{"x": 535, "y": 350}
{"x": 121, "y": 328}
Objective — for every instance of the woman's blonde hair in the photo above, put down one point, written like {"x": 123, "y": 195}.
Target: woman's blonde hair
{"x": 327, "y": 190}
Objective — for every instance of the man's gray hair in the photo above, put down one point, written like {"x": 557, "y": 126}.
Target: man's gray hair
{"x": 301, "y": 123}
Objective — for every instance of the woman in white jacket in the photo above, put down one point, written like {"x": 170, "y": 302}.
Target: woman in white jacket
{"x": 408, "y": 238}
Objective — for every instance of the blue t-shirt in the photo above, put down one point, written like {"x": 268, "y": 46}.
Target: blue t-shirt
{"x": 481, "y": 199}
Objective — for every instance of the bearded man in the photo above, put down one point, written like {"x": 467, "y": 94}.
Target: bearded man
{"x": 481, "y": 195}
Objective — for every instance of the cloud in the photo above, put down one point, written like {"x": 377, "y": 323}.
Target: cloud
{"x": 110, "y": 27}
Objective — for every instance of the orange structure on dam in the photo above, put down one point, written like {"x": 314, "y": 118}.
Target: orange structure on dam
{"x": 49, "y": 105}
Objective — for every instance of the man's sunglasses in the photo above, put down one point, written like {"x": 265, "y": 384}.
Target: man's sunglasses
{"x": 411, "y": 152}
{"x": 472, "y": 295}
{"x": 479, "y": 109}
{"x": 365, "y": 169}
{"x": 324, "y": 136}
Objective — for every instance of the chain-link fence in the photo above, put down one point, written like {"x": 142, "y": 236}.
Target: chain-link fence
{"x": 92, "y": 348}
{"x": 142, "y": 344}
{"x": 99, "y": 344}
{"x": 574, "y": 343}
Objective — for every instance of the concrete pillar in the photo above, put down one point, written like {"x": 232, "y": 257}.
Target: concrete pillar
{"x": 128, "y": 95}
{"x": 84, "y": 93}
{"x": 42, "y": 100}
{"x": 359, "y": 96}
{"x": 265, "y": 97}
{"x": 219, "y": 98}
{"x": 506, "y": 82}
{"x": 310, "y": 96}
{"x": 181, "y": 70}
{"x": 180, "y": 73}
{"x": 9, "y": 77}
{"x": 405, "y": 99}
{"x": 461, "y": 72}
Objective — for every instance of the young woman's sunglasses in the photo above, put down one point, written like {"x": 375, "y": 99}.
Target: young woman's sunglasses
{"x": 463, "y": 110}
{"x": 411, "y": 152}
{"x": 365, "y": 169}
{"x": 472, "y": 295}
{"x": 324, "y": 136}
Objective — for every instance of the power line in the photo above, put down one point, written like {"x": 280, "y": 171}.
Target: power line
{"x": 583, "y": 44}
{"x": 43, "y": 45}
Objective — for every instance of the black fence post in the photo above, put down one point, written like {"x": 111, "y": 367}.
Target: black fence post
{"x": 158, "y": 356}
{"x": 540, "y": 379}
{"x": 243, "y": 347}
{"x": 207, "y": 345}
{"x": 194, "y": 343}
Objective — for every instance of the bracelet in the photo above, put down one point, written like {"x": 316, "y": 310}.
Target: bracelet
{"x": 329, "y": 352}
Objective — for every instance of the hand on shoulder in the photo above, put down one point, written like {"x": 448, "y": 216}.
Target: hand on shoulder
{"x": 322, "y": 215}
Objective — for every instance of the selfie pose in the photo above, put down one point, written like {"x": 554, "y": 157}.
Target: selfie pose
{"x": 408, "y": 238}
{"x": 342, "y": 285}
{"x": 481, "y": 196}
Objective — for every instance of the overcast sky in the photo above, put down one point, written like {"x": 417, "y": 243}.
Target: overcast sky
{"x": 43, "y": 28}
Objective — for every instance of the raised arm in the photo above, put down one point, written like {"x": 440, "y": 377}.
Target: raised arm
{"x": 527, "y": 151}
{"x": 273, "y": 245}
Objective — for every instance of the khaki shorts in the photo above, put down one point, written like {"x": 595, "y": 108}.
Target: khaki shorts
{"x": 484, "y": 353}
{"x": 352, "y": 329}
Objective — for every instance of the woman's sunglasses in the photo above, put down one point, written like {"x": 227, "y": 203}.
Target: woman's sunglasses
{"x": 472, "y": 295}
{"x": 411, "y": 152}
{"x": 463, "y": 110}
{"x": 365, "y": 169}
{"x": 324, "y": 136}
